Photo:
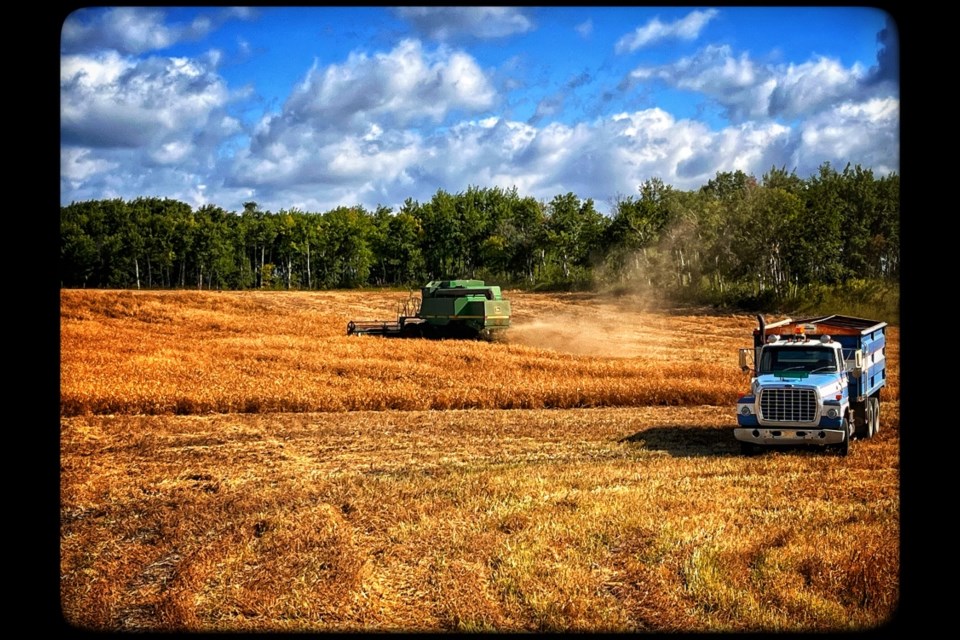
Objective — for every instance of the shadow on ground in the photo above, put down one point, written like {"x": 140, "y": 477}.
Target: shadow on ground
{"x": 693, "y": 441}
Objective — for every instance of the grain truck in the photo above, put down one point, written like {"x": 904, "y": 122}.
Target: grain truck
{"x": 814, "y": 381}
{"x": 465, "y": 309}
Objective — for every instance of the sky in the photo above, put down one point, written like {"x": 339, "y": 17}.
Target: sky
{"x": 312, "y": 108}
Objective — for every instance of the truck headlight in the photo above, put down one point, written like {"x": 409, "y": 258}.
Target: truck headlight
{"x": 745, "y": 410}
{"x": 832, "y": 413}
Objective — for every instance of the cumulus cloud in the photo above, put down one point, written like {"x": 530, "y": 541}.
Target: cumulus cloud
{"x": 407, "y": 84}
{"x": 134, "y": 30}
{"x": 96, "y": 174}
{"x": 614, "y": 155}
{"x": 748, "y": 90}
{"x": 134, "y": 127}
{"x": 751, "y": 147}
{"x": 600, "y": 159}
{"x": 596, "y": 160}
{"x": 812, "y": 86}
{"x": 77, "y": 165}
{"x": 740, "y": 86}
{"x": 450, "y": 23}
{"x": 358, "y": 132}
{"x": 325, "y": 160}
{"x": 107, "y": 100}
{"x": 686, "y": 28}
{"x": 866, "y": 133}
{"x": 358, "y": 110}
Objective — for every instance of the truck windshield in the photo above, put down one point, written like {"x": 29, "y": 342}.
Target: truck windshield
{"x": 813, "y": 360}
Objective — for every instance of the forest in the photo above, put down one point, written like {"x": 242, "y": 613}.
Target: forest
{"x": 737, "y": 241}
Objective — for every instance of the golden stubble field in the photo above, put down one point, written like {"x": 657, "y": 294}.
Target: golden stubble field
{"x": 232, "y": 461}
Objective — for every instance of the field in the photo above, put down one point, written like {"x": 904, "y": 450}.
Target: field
{"x": 232, "y": 461}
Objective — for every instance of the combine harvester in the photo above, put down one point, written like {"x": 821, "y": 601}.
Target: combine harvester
{"x": 466, "y": 309}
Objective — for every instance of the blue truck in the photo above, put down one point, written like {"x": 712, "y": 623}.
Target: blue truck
{"x": 814, "y": 381}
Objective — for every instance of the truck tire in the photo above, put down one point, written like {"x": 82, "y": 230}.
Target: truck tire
{"x": 875, "y": 401}
{"x": 870, "y": 421}
{"x": 861, "y": 419}
{"x": 844, "y": 447}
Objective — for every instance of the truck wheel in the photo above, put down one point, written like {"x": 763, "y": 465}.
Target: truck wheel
{"x": 861, "y": 419}
{"x": 870, "y": 422}
{"x": 876, "y": 415}
{"x": 844, "y": 446}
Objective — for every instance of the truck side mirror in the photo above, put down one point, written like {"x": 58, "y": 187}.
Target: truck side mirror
{"x": 745, "y": 364}
{"x": 857, "y": 363}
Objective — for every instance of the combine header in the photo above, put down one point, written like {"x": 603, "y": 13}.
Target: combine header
{"x": 445, "y": 309}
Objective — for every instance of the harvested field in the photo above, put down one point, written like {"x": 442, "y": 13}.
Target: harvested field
{"x": 235, "y": 462}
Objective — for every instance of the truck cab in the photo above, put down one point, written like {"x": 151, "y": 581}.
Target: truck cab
{"x": 814, "y": 382}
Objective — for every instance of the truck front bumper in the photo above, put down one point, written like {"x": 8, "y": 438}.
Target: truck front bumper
{"x": 786, "y": 436}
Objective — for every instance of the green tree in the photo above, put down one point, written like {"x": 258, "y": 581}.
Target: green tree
{"x": 345, "y": 241}
{"x": 212, "y": 251}
{"x": 821, "y": 259}
{"x": 764, "y": 228}
{"x": 402, "y": 256}
{"x": 634, "y": 231}
{"x": 520, "y": 239}
{"x": 883, "y": 251}
{"x": 442, "y": 241}
{"x": 779, "y": 178}
{"x": 79, "y": 253}
{"x": 574, "y": 230}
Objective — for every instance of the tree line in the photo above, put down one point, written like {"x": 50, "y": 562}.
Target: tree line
{"x": 735, "y": 238}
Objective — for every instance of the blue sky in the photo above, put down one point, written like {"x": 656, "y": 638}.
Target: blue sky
{"x": 311, "y": 108}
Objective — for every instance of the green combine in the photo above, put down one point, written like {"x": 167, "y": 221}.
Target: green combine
{"x": 465, "y": 309}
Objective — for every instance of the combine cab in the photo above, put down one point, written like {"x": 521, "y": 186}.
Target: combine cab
{"x": 445, "y": 309}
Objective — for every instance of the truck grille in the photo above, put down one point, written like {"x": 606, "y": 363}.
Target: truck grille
{"x": 788, "y": 405}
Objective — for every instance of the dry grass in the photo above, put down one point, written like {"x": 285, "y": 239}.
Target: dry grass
{"x": 221, "y": 471}
{"x": 197, "y": 352}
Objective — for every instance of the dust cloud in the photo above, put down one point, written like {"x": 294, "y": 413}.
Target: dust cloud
{"x": 588, "y": 325}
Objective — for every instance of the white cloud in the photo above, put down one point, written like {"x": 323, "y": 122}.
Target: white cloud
{"x": 141, "y": 127}
{"x": 95, "y": 175}
{"x": 136, "y": 30}
{"x": 748, "y": 90}
{"x": 596, "y": 160}
{"x": 77, "y": 165}
{"x": 126, "y": 30}
{"x": 585, "y": 28}
{"x": 305, "y": 157}
{"x": 811, "y": 86}
{"x": 865, "y": 133}
{"x": 600, "y": 160}
{"x": 351, "y": 133}
{"x": 107, "y": 101}
{"x": 611, "y": 156}
{"x": 448, "y": 23}
{"x": 346, "y": 122}
{"x": 91, "y": 72}
{"x": 171, "y": 152}
{"x": 686, "y": 28}
{"x": 404, "y": 85}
